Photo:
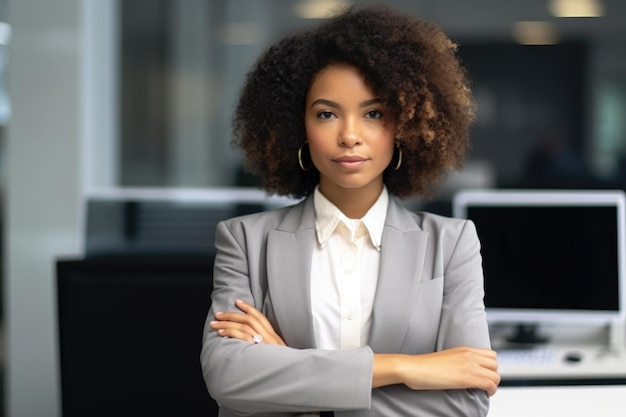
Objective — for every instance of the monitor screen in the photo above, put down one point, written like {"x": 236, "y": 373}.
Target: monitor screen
{"x": 130, "y": 331}
{"x": 549, "y": 256}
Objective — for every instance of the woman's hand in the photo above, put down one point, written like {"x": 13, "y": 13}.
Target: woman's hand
{"x": 245, "y": 326}
{"x": 456, "y": 368}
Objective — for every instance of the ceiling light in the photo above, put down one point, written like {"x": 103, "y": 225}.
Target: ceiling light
{"x": 576, "y": 8}
{"x": 319, "y": 9}
{"x": 535, "y": 33}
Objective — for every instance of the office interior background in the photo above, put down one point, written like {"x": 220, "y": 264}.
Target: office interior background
{"x": 103, "y": 99}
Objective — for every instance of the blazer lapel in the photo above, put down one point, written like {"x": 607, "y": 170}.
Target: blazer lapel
{"x": 290, "y": 249}
{"x": 402, "y": 259}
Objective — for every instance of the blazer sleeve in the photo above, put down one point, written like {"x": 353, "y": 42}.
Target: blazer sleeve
{"x": 463, "y": 317}
{"x": 258, "y": 378}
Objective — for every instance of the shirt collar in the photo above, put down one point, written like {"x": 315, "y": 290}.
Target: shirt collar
{"x": 328, "y": 216}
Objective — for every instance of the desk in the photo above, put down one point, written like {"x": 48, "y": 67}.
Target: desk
{"x": 600, "y": 348}
{"x": 574, "y": 401}
{"x": 596, "y": 362}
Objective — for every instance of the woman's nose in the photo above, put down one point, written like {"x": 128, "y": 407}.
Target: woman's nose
{"x": 349, "y": 135}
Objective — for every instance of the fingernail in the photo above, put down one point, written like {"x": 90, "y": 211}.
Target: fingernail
{"x": 214, "y": 323}
{"x": 219, "y": 313}
{"x": 239, "y": 301}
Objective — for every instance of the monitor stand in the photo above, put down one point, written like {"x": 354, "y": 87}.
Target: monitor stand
{"x": 527, "y": 334}
{"x": 617, "y": 337}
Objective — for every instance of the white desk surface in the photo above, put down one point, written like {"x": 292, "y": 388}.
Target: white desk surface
{"x": 595, "y": 362}
{"x": 574, "y": 401}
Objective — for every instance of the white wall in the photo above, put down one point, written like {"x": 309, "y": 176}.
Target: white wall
{"x": 43, "y": 193}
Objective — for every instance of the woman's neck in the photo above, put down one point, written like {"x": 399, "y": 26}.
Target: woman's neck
{"x": 354, "y": 203}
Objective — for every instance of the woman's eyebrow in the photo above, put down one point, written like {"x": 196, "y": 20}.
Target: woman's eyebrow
{"x": 325, "y": 102}
{"x": 369, "y": 102}
{"x": 333, "y": 104}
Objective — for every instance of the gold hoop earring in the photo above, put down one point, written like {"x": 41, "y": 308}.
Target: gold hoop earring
{"x": 399, "y": 163}
{"x": 300, "y": 159}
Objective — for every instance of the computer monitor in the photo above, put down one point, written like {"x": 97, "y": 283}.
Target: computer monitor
{"x": 550, "y": 256}
{"x": 130, "y": 334}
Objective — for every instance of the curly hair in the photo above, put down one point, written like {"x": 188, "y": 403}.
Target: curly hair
{"x": 409, "y": 63}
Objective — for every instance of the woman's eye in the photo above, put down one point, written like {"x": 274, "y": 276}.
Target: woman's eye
{"x": 325, "y": 115}
{"x": 373, "y": 114}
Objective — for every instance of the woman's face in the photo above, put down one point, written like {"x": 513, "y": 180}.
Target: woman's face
{"x": 350, "y": 135}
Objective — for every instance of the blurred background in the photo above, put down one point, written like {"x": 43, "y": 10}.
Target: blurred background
{"x": 115, "y": 115}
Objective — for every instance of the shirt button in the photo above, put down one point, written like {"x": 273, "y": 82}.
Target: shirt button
{"x": 350, "y": 315}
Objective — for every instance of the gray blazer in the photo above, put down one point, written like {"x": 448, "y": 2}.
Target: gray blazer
{"x": 429, "y": 297}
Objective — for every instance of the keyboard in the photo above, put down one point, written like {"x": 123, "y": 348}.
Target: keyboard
{"x": 539, "y": 355}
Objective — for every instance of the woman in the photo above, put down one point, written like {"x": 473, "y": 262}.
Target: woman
{"x": 347, "y": 301}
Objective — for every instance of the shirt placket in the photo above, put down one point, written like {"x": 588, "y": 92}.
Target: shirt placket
{"x": 350, "y": 290}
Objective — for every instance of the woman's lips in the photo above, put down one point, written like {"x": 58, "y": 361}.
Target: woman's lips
{"x": 350, "y": 162}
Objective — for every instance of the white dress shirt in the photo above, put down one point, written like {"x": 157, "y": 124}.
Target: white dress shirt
{"x": 344, "y": 272}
